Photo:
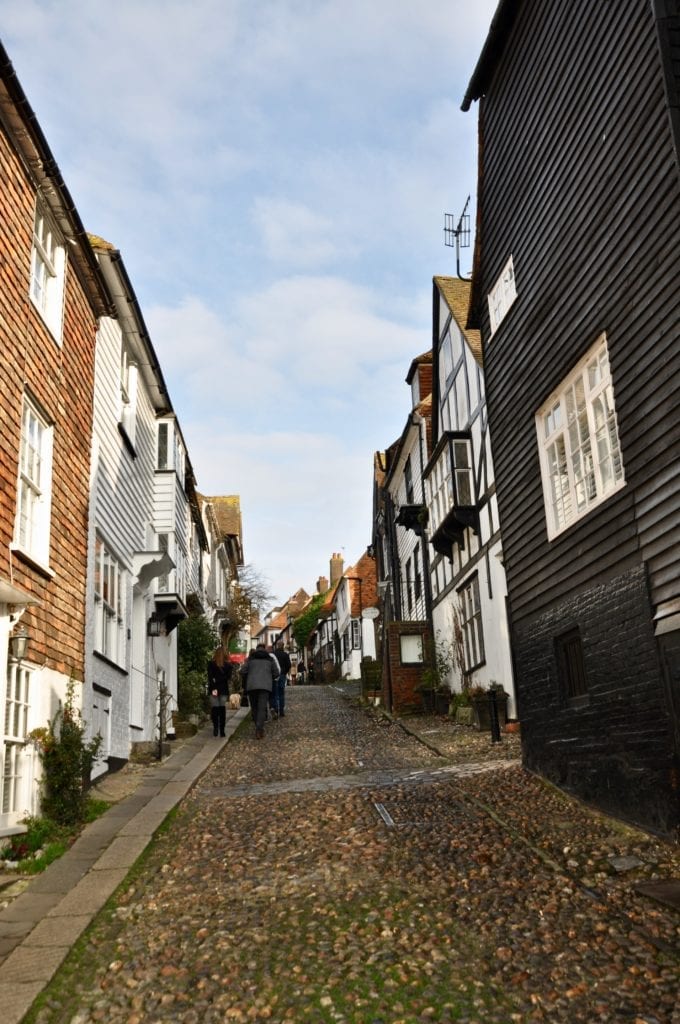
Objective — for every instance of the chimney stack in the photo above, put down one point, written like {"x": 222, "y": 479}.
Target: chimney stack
{"x": 337, "y": 568}
{"x": 321, "y": 585}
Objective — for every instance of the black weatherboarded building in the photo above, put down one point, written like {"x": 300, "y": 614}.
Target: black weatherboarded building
{"x": 576, "y": 290}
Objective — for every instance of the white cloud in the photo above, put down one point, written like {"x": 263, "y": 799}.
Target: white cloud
{"x": 293, "y": 234}
{"x": 315, "y": 336}
{"x": 303, "y": 496}
{"x": 275, "y": 174}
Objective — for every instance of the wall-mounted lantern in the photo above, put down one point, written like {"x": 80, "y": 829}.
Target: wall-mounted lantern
{"x": 155, "y": 626}
{"x": 18, "y": 643}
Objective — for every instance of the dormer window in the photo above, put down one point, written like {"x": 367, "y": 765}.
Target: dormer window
{"x": 170, "y": 450}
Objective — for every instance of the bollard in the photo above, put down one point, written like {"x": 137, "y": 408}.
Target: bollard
{"x": 493, "y": 716}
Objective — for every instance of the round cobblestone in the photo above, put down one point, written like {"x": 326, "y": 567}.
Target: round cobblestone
{"x": 341, "y": 870}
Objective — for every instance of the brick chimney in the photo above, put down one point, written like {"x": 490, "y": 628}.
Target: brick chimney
{"x": 337, "y": 568}
{"x": 321, "y": 585}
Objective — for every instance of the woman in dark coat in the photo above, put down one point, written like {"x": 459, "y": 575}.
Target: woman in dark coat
{"x": 259, "y": 672}
{"x": 219, "y": 674}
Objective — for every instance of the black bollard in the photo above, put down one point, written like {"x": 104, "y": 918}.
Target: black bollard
{"x": 493, "y": 716}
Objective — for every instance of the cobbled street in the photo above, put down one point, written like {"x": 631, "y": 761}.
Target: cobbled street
{"x": 342, "y": 870}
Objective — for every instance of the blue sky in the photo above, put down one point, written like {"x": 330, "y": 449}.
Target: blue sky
{"x": 275, "y": 174}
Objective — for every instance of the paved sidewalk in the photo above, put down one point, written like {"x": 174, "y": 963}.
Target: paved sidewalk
{"x": 39, "y": 927}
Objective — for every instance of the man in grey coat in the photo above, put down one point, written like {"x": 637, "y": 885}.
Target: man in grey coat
{"x": 259, "y": 673}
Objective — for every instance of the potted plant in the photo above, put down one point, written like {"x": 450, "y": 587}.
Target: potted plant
{"x": 460, "y": 707}
{"x": 427, "y": 688}
{"x": 481, "y": 698}
{"x": 434, "y": 685}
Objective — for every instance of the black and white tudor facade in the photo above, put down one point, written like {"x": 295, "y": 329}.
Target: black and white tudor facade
{"x": 467, "y": 577}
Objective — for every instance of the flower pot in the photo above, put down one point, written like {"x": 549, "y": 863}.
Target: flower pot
{"x": 482, "y": 711}
{"x": 441, "y": 702}
{"x": 427, "y": 697}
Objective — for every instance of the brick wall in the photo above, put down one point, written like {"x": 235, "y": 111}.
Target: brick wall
{"x": 60, "y": 379}
{"x": 616, "y": 749}
{"x": 404, "y": 679}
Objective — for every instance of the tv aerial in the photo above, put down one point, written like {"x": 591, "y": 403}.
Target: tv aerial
{"x": 458, "y": 235}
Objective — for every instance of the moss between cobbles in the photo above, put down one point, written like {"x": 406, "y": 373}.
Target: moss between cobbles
{"x": 369, "y": 961}
{"x": 342, "y": 957}
{"x": 60, "y": 1000}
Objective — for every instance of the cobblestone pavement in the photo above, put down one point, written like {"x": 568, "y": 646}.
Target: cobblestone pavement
{"x": 343, "y": 870}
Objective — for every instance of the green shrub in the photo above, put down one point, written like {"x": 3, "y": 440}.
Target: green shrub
{"x": 191, "y": 692}
{"x": 196, "y": 640}
{"x": 46, "y": 838}
{"x": 67, "y": 763}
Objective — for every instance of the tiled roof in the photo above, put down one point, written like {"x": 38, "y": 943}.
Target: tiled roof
{"x": 279, "y": 621}
{"x": 329, "y": 601}
{"x": 425, "y": 357}
{"x": 97, "y": 242}
{"x": 228, "y": 514}
{"x": 457, "y": 297}
{"x": 424, "y": 408}
{"x": 379, "y": 468}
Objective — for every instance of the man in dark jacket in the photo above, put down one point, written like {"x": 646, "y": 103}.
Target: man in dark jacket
{"x": 260, "y": 673}
{"x": 283, "y": 659}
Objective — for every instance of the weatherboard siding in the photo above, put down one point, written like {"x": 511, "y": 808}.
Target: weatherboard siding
{"x": 579, "y": 183}
{"x": 586, "y": 242}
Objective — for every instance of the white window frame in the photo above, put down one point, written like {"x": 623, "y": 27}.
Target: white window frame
{"x": 16, "y": 767}
{"x": 411, "y": 649}
{"x": 471, "y": 623}
{"x": 109, "y": 601}
{"x": 48, "y": 271}
{"x": 356, "y": 634}
{"x": 502, "y": 295}
{"x": 578, "y": 441}
{"x": 171, "y": 454}
{"x": 34, "y": 485}
{"x": 128, "y": 396}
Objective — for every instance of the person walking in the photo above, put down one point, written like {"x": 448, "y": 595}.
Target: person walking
{"x": 219, "y": 675}
{"x": 301, "y": 672}
{"x": 283, "y": 658}
{"x": 260, "y": 673}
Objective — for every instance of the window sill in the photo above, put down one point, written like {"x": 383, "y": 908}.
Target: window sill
{"x": 108, "y": 661}
{"x": 56, "y": 335}
{"x": 29, "y": 559}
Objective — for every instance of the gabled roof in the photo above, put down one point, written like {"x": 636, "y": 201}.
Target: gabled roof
{"x": 228, "y": 514}
{"x": 129, "y": 314}
{"x": 420, "y": 360}
{"x": 491, "y": 51}
{"x": 379, "y": 468}
{"x": 365, "y": 569}
{"x": 279, "y": 621}
{"x": 456, "y": 294}
{"x": 28, "y": 137}
{"x": 329, "y": 601}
